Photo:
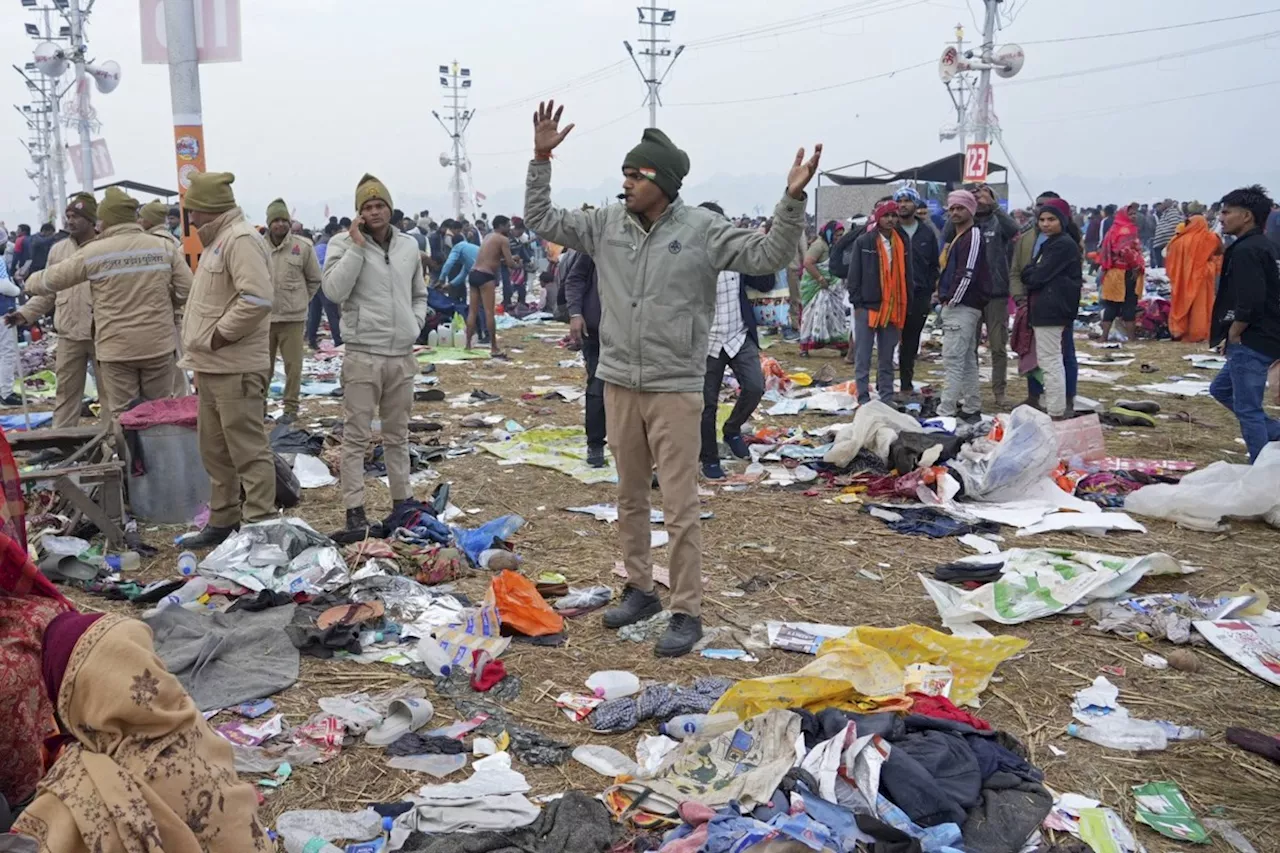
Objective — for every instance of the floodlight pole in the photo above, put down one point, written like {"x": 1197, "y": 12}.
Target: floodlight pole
{"x": 657, "y": 17}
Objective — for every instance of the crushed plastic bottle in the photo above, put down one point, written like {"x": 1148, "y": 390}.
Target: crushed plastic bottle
{"x": 437, "y": 659}
{"x": 126, "y": 562}
{"x": 605, "y": 760}
{"x": 187, "y": 563}
{"x": 699, "y": 725}
{"x": 1122, "y": 733}
{"x": 190, "y": 592}
{"x": 310, "y": 830}
{"x": 613, "y": 684}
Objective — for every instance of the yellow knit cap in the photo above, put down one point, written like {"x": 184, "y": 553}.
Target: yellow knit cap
{"x": 370, "y": 188}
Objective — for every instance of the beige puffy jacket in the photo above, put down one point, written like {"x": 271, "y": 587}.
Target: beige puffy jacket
{"x": 295, "y": 277}
{"x": 74, "y": 317}
{"x": 138, "y": 284}
{"x": 232, "y": 294}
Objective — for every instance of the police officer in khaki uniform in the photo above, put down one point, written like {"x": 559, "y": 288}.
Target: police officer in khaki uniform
{"x": 153, "y": 216}
{"x": 72, "y": 320}
{"x": 295, "y": 278}
{"x": 224, "y": 341}
{"x": 138, "y": 283}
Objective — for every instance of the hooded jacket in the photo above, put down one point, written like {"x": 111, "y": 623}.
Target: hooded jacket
{"x": 658, "y": 287}
{"x": 138, "y": 285}
{"x": 73, "y": 307}
{"x": 295, "y": 277}
{"x": 1249, "y": 292}
{"x": 1052, "y": 280}
{"x": 232, "y": 295}
{"x": 381, "y": 291}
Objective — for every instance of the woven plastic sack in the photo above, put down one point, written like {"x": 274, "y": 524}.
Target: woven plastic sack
{"x": 521, "y": 607}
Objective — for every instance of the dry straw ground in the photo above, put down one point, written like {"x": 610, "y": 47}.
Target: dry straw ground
{"x": 776, "y": 534}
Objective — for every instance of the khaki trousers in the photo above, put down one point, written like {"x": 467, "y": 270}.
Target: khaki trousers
{"x": 234, "y": 447}
{"x": 286, "y": 339}
{"x": 645, "y": 429}
{"x": 125, "y": 381}
{"x": 382, "y": 384}
{"x": 71, "y": 362}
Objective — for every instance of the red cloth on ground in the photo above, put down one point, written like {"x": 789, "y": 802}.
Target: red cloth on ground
{"x": 940, "y": 707}
{"x": 178, "y": 411}
{"x": 488, "y": 674}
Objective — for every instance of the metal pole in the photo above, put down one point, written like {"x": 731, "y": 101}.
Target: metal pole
{"x": 962, "y": 111}
{"x": 82, "y": 93}
{"x": 457, "y": 145}
{"x": 58, "y": 155}
{"x": 984, "y": 85}
{"x": 188, "y": 114}
{"x": 653, "y": 63}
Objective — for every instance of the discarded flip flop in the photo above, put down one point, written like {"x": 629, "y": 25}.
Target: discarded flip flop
{"x": 350, "y": 614}
{"x": 1117, "y": 416}
{"x": 1148, "y": 368}
{"x": 1147, "y": 407}
{"x": 479, "y": 394}
{"x": 403, "y": 716}
{"x": 62, "y": 567}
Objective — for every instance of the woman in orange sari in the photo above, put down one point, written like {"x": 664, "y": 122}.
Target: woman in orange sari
{"x": 1193, "y": 261}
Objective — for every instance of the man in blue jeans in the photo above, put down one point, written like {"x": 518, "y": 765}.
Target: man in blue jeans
{"x": 1246, "y": 315}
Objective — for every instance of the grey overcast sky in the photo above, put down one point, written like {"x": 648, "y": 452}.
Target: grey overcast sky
{"x": 328, "y": 90}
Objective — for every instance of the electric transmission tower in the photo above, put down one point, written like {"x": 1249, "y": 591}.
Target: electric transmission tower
{"x": 656, "y": 22}
{"x": 456, "y": 82}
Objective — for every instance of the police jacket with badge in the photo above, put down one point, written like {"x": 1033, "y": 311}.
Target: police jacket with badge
{"x": 1249, "y": 292}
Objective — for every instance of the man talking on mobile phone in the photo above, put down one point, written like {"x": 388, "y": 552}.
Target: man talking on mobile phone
{"x": 375, "y": 274}
{"x": 658, "y": 262}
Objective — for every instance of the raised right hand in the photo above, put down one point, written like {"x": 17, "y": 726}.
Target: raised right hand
{"x": 546, "y": 128}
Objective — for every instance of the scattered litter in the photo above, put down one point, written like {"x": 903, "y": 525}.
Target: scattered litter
{"x": 1161, "y": 806}
{"x": 1254, "y": 647}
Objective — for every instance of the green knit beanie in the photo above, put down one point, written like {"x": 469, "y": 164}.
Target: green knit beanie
{"x": 210, "y": 192}
{"x": 117, "y": 208}
{"x": 658, "y": 159}
{"x": 278, "y": 210}
{"x": 85, "y": 205}
{"x": 153, "y": 213}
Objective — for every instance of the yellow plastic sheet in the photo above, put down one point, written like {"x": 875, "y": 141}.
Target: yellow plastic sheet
{"x": 864, "y": 672}
{"x": 972, "y": 661}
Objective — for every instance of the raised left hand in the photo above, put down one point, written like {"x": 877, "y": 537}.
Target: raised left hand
{"x": 802, "y": 171}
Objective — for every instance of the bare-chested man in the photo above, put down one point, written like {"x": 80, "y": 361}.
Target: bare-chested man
{"x": 496, "y": 249}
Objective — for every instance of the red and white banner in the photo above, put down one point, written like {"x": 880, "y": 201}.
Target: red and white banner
{"x": 217, "y": 31}
{"x": 102, "y": 167}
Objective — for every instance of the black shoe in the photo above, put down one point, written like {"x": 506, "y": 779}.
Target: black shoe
{"x": 356, "y": 519}
{"x": 11, "y": 400}
{"x": 737, "y": 446}
{"x": 634, "y": 607}
{"x": 595, "y": 456}
{"x": 1146, "y": 407}
{"x": 207, "y": 537}
{"x": 970, "y": 417}
{"x": 680, "y": 637}
{"x": 712, "y": 471}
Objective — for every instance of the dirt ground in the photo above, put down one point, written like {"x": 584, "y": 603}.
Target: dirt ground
{"x": 778, "y": 534}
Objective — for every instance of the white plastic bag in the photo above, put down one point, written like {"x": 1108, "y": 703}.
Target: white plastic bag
{"x": 1222, "y": 490}
{"x": 1011, "y": 469}
{"x": 875, "y": 426}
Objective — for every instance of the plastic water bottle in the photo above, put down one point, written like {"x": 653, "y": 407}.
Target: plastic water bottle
{"x": 126, "y": 562}
{"x": 613, "y": 684}
{"x": 699, "y": 725}
{"x": 187, "y": 564}
{"x": 190, "y": 591}
{"x": 436, "y": 658}
{"x": 1122, "y": 733}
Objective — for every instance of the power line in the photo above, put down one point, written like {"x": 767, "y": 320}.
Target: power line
{"x": 1127, "y": 64}
{"x": 851, "y": 12}
{"x": 1152, "y": 29}
{"x": 879, "y": 76}
{"x": 1119, "y": 108}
